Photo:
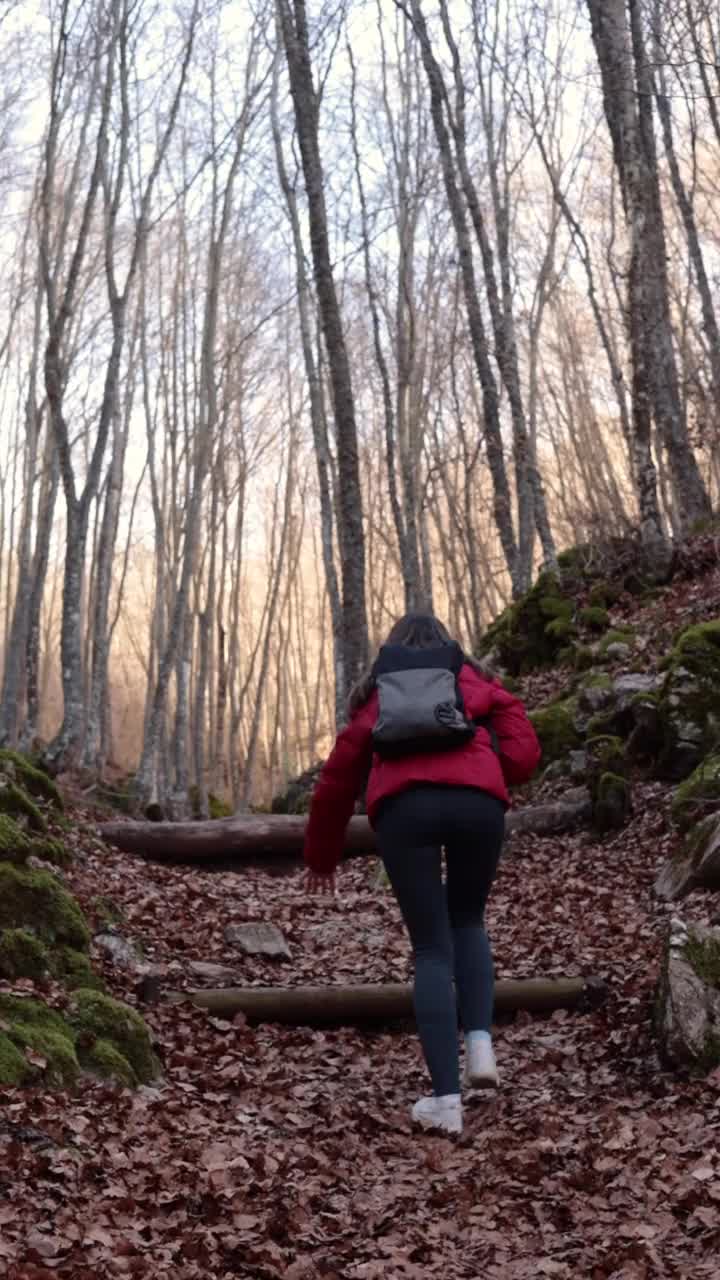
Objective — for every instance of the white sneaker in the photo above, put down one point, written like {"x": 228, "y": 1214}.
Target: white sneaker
{"x": 480, "y": 1066}
{"x": 439, "y": 1113}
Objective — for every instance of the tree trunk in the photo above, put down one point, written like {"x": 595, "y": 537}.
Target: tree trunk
{"x": 282, "y": 835}
{"x": 293, "y": 22}
{"x": 391, "y": 1002}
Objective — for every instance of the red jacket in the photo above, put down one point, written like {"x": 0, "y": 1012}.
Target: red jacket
{"x": 473, "y": 765}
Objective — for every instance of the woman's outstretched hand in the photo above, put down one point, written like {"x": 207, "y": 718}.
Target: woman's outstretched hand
{"x": 315, "y": 883}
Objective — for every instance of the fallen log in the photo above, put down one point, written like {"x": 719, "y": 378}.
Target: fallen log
{"x": 390, "y": 1002}
{"x": 251, "y": 836}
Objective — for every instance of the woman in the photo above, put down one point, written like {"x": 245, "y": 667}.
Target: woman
{"x": 428, "y": 790}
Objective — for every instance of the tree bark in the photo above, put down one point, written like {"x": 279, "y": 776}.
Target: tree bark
{"x": 306, "y": 101}
{"x": 391, "y": 1002}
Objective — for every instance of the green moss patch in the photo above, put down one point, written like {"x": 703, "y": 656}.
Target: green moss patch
{"x": 17, "y": 803}
{"x": 73, "y": 969}
{"x": 104, "y": 1060}
{"x": 22, "y": 954}
{"x": 30, "y": 777}
{"x": 698, "y": 795}
{"x": 703, "y": 956}
{"x": 612, "y": 802}
{"x": 607, "y": 753}
{"x": 50, "y": 850}
{"x": 95, "y": 1016}
{"x": 35, "y": 899}
{"x": 555, "y": 727}
{"x": 30, "y": 1025}
{"x": 618, "y": 635}
{"x": 595, "y": 618}
{"x": 15, "y": 845}
{"x": 532, "y": 630}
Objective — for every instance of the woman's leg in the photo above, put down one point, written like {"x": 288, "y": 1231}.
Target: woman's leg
{"x": 471, "y": 866}
{"x": 415, "y": 873}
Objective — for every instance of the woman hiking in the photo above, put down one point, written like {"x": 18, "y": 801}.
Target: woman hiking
{"x": 440, "y": 742}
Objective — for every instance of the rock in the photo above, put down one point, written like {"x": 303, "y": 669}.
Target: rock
{"x": 688, "y": 1003}
{"x": 216, "y": 974}
{"x": 578, "y": 765}
{"x": 690, "y": 701}
{"x": 698, "y": 795}
{"x": 618, "y": 651}
{"x": 612, "y": 802}
{"x": 555, "y": 727}
{"x": 697, "y": 866}
{"x": 627, "y": 687}
{"x": 258, "y": 939}
{"x": 123, "y": 953}
{"x": 35, "y": 899}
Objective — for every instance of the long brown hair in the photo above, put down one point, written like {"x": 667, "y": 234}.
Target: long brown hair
{"x": 416, "y": 631}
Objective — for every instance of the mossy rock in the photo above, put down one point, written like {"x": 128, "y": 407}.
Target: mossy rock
{"x": 555, "y": 727}
{"x": 297, "y": 796}
{"x": 47, "y": 849}
{"x": 596, "y": 680}
{"x": 560, "y": 629}
{"x": 217, "y": 808}
{"x": 31, "y": 1025}
{"x": 607, "y": 754}
{"x": 699, "y": 795}
{"x": 612, "y": 802}
{"x": 618, "y": 635}
{"x": 30, "y": 777}
{"x": 14, "y": 1066}
{"x": 22, "y": 954}
{"x": 37, "y": 900}
{"x": 604, "y": 594}
{"x": 74, "y": 969}
{"x": 595, "y": 618}
{"x": 583, "y": 657}
{"x": 15, "y": 844}
{"x": 95, "y": 1016}
{"x": 527, "y": 635}
{"x": 690, "y": 701}
{"x": 17, "y": 803}
{"x": 103, "y": 1059}
{"x": 703, "y": 956}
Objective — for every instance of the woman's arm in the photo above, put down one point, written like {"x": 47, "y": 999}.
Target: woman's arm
{"x": 518, "y": 746}
{"x": 336, "y": 791}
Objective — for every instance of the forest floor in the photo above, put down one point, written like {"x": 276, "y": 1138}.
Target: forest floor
{"x": 271, "y": 1152}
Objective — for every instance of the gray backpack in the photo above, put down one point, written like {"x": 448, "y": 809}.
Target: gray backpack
{"x": 421, "y": 707}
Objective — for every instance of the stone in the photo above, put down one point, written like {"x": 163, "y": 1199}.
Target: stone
{"x": 208, "y": 971}
{"x": 258, "y": 939}
{"x": 612, "y": 803}
{"x": 698, "y": 795}
{"x": 578, "y": 765}
{"x": 617, "y": 652}
{"x": 123, "y": 953}
{"x": 627, "y": 687}
{"x": 687, "y": 1016}
{"x": 697, "y": 866}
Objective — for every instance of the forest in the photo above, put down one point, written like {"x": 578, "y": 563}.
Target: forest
{"x": 309, "y": 315}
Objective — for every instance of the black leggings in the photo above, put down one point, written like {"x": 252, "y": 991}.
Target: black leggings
{"x": 445, "y": 922}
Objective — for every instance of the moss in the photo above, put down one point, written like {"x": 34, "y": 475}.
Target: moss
{"x": 14, "y": 1066}
{"x": 30, "y": 777}
{"x": 698, "y": 795}
{"x": 36, "y": 899}
{"x": 73, "y": 969}
{"x": 703, "y": 956}
{"x": 596, "y": 680}
{"x": 50, "y": 850}
{"x": 595, "y": 618}
{"x": 31, "y": 1025}
{"x": 697, "y": 649}
{"x": 618, "y": 635}
{"x": 611, "y": 802}
{"x": 556, "y": 607}
{"x": 560, "y": 629}
{"x": 555, "y": 727}
{"x": 22, "y": 954}
{"x": 103, "y": 1060}
{"x": 524, "y": 635}
{"x": 604, "y": 594}
{"x": 95, "y": 1016}
{"x": 607, "y": 753}
{"x": 584, "y": 658}
{"x": 106, "y": 910}
{"x": 15, "y": 845}
{"x": 219, "y": 808}
{"x": 15, "y": 802}
{"x": 573, "y": 559}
